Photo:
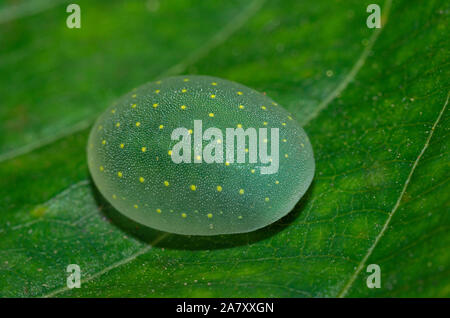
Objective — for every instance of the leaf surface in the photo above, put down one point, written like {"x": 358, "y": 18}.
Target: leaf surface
{"x": 373, "y": 102}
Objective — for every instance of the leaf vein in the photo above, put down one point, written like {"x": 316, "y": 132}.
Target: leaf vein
{"x": 352, "y": 279}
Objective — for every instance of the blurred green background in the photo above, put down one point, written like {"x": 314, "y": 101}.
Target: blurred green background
{"x": 373, "y": 102}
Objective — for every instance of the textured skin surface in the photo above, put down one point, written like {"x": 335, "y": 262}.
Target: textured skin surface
{"x": 129, "y": 158}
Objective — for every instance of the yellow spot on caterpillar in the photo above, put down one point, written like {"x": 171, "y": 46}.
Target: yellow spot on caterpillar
{"x": 240, "y": 217}
{"x": 213, "y": 96}
{"x": 252, "y": 171}
{"x": 209, "y": 215}
{"x": 183, "y": 215}
{"x": 239, "y": 126}
{"x": 101, "y": 168}
{"x": 133, "y": 106}
{"x": 284, "y": 140}
{"x": 286, "y": 155}
{"x": 289, "y": 117}
{"x": 190, "y": 131}
{"x": 239, "y": 93}
{"x": 141, "y": 179}
{"x": 103, "y": 141}
{"x": 155, "y": 105}
{"x": 199, "y": 157}
{"x": 114, "y": 196}
{"x": 213, "y": 83}
{"x": 266, "y": 199}
{"x": 263, "y": 107}
{"x": 134, "y": 95}
{"x": 186, "y": 80}
{"x": 227, "y": 163}
{"x": 246, "y": 149}
{"x": 166, "y": 183}
{"x": 120, "y": 174}
{"x": 138, "y": 124}
{"x": 241, "y": 107}
{"x": 135, "y": 206}
{"x": 118, "y": 125}
{"x": 184, "y": 90}
{"x": 122, "y": 145}
{"x": 161, "y": 126}
{"x": 193, "y": 187}
{"x": 157, "y": 91}
{"x": 277, "y": 182}
{"x": 170, "y": 152}
{"x": 241, "y": 191}
{"x": 219, "y": 188}
{"x": 113, "y": 111}
{"x": 211, "y": 114}
{"x": 284, "y": 124}
{"x": 219, "y": 141}
{"x": 183, "y": 106}
{"x": 158, "y": 210}
{"x": 144, "y": 149}
{"x": 265, "y": 123}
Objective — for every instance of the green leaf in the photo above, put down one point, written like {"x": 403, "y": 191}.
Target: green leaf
{"x": 56, "y": 80}
{"x": 373, "y": 102}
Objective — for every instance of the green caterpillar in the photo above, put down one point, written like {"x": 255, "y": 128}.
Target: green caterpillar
{"x": 159, "y": 156}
